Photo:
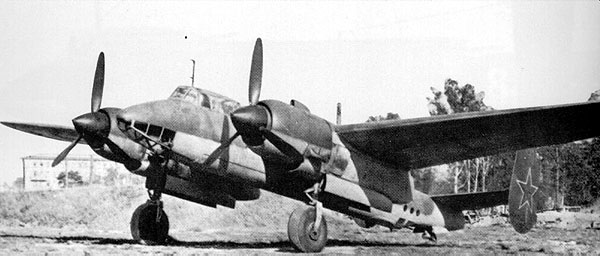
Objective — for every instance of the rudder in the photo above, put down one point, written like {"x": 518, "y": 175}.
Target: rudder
{"x": 524, "y": 188}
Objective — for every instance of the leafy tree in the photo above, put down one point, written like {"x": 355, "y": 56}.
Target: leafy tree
{"x": 112, "y": 176}
{"x": 595, "y": 96}
{"x": 468, "y": 175}
{"x": 571, "y": 170}
{"x": 578, "y": 167}
{"x": 18, "y": 183}
{"x": 390, "y": 116}
{"x": 73, "y": 178}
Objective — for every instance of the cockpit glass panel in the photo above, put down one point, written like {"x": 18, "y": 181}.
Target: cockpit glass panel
{"x": 180, "y": 92}
{"x": 205, "y": 99}
{"x": 191, "y": 96}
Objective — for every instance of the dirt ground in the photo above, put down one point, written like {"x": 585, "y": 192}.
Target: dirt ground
{"x": 474, "y": 240}
{"x": 95, "y": 221}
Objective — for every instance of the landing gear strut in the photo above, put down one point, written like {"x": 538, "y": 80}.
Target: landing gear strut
{"x": 149, "y": 223}
{"x": 307, "y": 229}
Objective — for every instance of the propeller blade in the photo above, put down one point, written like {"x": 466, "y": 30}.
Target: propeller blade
{"x": 256, "y": 73}
{"x": 98, "y": 84}
{"x": 282, "y": 145}
{"x": 65, "y": 152}
{"x": 217, "y": 153}
{"x": 122, "y": 156}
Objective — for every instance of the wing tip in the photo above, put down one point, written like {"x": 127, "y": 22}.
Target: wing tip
{"x": 9, "y": 124}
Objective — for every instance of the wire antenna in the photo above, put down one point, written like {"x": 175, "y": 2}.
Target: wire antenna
{"x": 193, "y": 71}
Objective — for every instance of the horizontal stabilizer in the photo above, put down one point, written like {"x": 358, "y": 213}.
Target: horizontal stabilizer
{"x": 471, "y": 201}
{"x": 56, "y": 132}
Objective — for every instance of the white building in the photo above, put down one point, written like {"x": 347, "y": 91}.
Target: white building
{"x": 38, "y": 173}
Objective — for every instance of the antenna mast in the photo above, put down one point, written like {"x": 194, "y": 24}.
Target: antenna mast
{"x": 193, "y": 71}
{"x": 338, "y": 116}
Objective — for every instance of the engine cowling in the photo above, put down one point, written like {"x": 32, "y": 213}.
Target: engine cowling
{"x": 122, "y": 150}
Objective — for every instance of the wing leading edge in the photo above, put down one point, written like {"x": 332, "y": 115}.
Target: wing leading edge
{"x": 422, "y": 142}
{"x": 45, "y": 130}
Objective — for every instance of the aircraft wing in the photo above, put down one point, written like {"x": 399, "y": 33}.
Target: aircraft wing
{"x": 45, "y": 130}
{"x": 422, "y": 142}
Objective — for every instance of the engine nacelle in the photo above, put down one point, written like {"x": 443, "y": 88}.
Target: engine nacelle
{"x": 296, "y": 122}
{"x": 291, "y": 138}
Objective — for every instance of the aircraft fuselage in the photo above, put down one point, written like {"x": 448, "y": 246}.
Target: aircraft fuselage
{"x": 186, "y": 130}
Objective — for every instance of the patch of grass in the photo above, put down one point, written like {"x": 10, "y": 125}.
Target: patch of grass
{"x": 110, "y": 208}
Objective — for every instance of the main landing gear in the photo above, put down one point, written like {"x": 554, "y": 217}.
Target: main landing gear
{"x": 307, "y": 229}
{"x": 427, "y": 233}
{"x": 149, "y": 223}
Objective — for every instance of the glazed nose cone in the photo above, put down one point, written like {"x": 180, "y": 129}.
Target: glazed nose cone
{"x": 93, "y": 124}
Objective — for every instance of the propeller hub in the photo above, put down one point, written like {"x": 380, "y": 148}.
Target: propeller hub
{"x": 96, "y": 124}
{"x": 249, "y": 119}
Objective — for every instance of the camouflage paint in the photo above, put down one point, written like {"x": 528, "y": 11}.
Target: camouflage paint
{"x": 355, "y": 184}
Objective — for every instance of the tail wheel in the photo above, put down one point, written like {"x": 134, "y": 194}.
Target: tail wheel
{"x": 302, "y": 232}
{"x": 146, "y": 227}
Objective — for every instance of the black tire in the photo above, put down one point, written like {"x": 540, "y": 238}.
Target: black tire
{"x": 300, "y": 230}
{"x": 145, "y": 229}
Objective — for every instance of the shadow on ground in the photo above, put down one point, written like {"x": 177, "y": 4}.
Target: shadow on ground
{"x": 284, "y": 246}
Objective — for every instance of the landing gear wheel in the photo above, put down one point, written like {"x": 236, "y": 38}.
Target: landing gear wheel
{"x": 148, "y": 226}
{"x": 302, "y": 232}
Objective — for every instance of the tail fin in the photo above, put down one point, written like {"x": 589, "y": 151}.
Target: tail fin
{"x": 524, "y": 189}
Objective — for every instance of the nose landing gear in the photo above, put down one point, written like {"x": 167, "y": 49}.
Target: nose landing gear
{"x": 149, "y": 223}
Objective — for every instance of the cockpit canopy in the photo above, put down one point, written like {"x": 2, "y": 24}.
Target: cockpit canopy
{"x": 206, "y": 99}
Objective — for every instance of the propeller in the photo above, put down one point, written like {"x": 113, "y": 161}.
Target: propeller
{"x": 254, "y": 86}
{"x": 217, "y": 152}
{"x": 66, "y": 151}
{"x": 256, "y": 73}
{"x": 98, "y": 87}
{"x": 94, "y": 125}
{"x": 251, "y": 121}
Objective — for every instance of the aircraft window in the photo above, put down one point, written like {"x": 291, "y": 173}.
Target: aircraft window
{"x": 167, "y": 135}
{"x": 141, "y": 126}
{"x": 339, "y": 159}
{"x": 154, "y": 130}
{"x": 412, "y": 210}
{"x": 180, "y": 92}
{"x": 405, "y": 207}
{"x": 418, "y": 212}
{"x": 191, "y": 95}
{"x": 204, "y": 101}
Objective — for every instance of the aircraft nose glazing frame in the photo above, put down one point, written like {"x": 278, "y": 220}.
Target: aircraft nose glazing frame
{"x": 145, "y": 134}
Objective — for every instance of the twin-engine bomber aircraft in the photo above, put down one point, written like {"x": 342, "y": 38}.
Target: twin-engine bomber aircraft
{"x": 206, "y": 148}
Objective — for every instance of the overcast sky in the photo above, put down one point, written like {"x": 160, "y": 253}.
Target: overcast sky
{"x": 374, "y": 57}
